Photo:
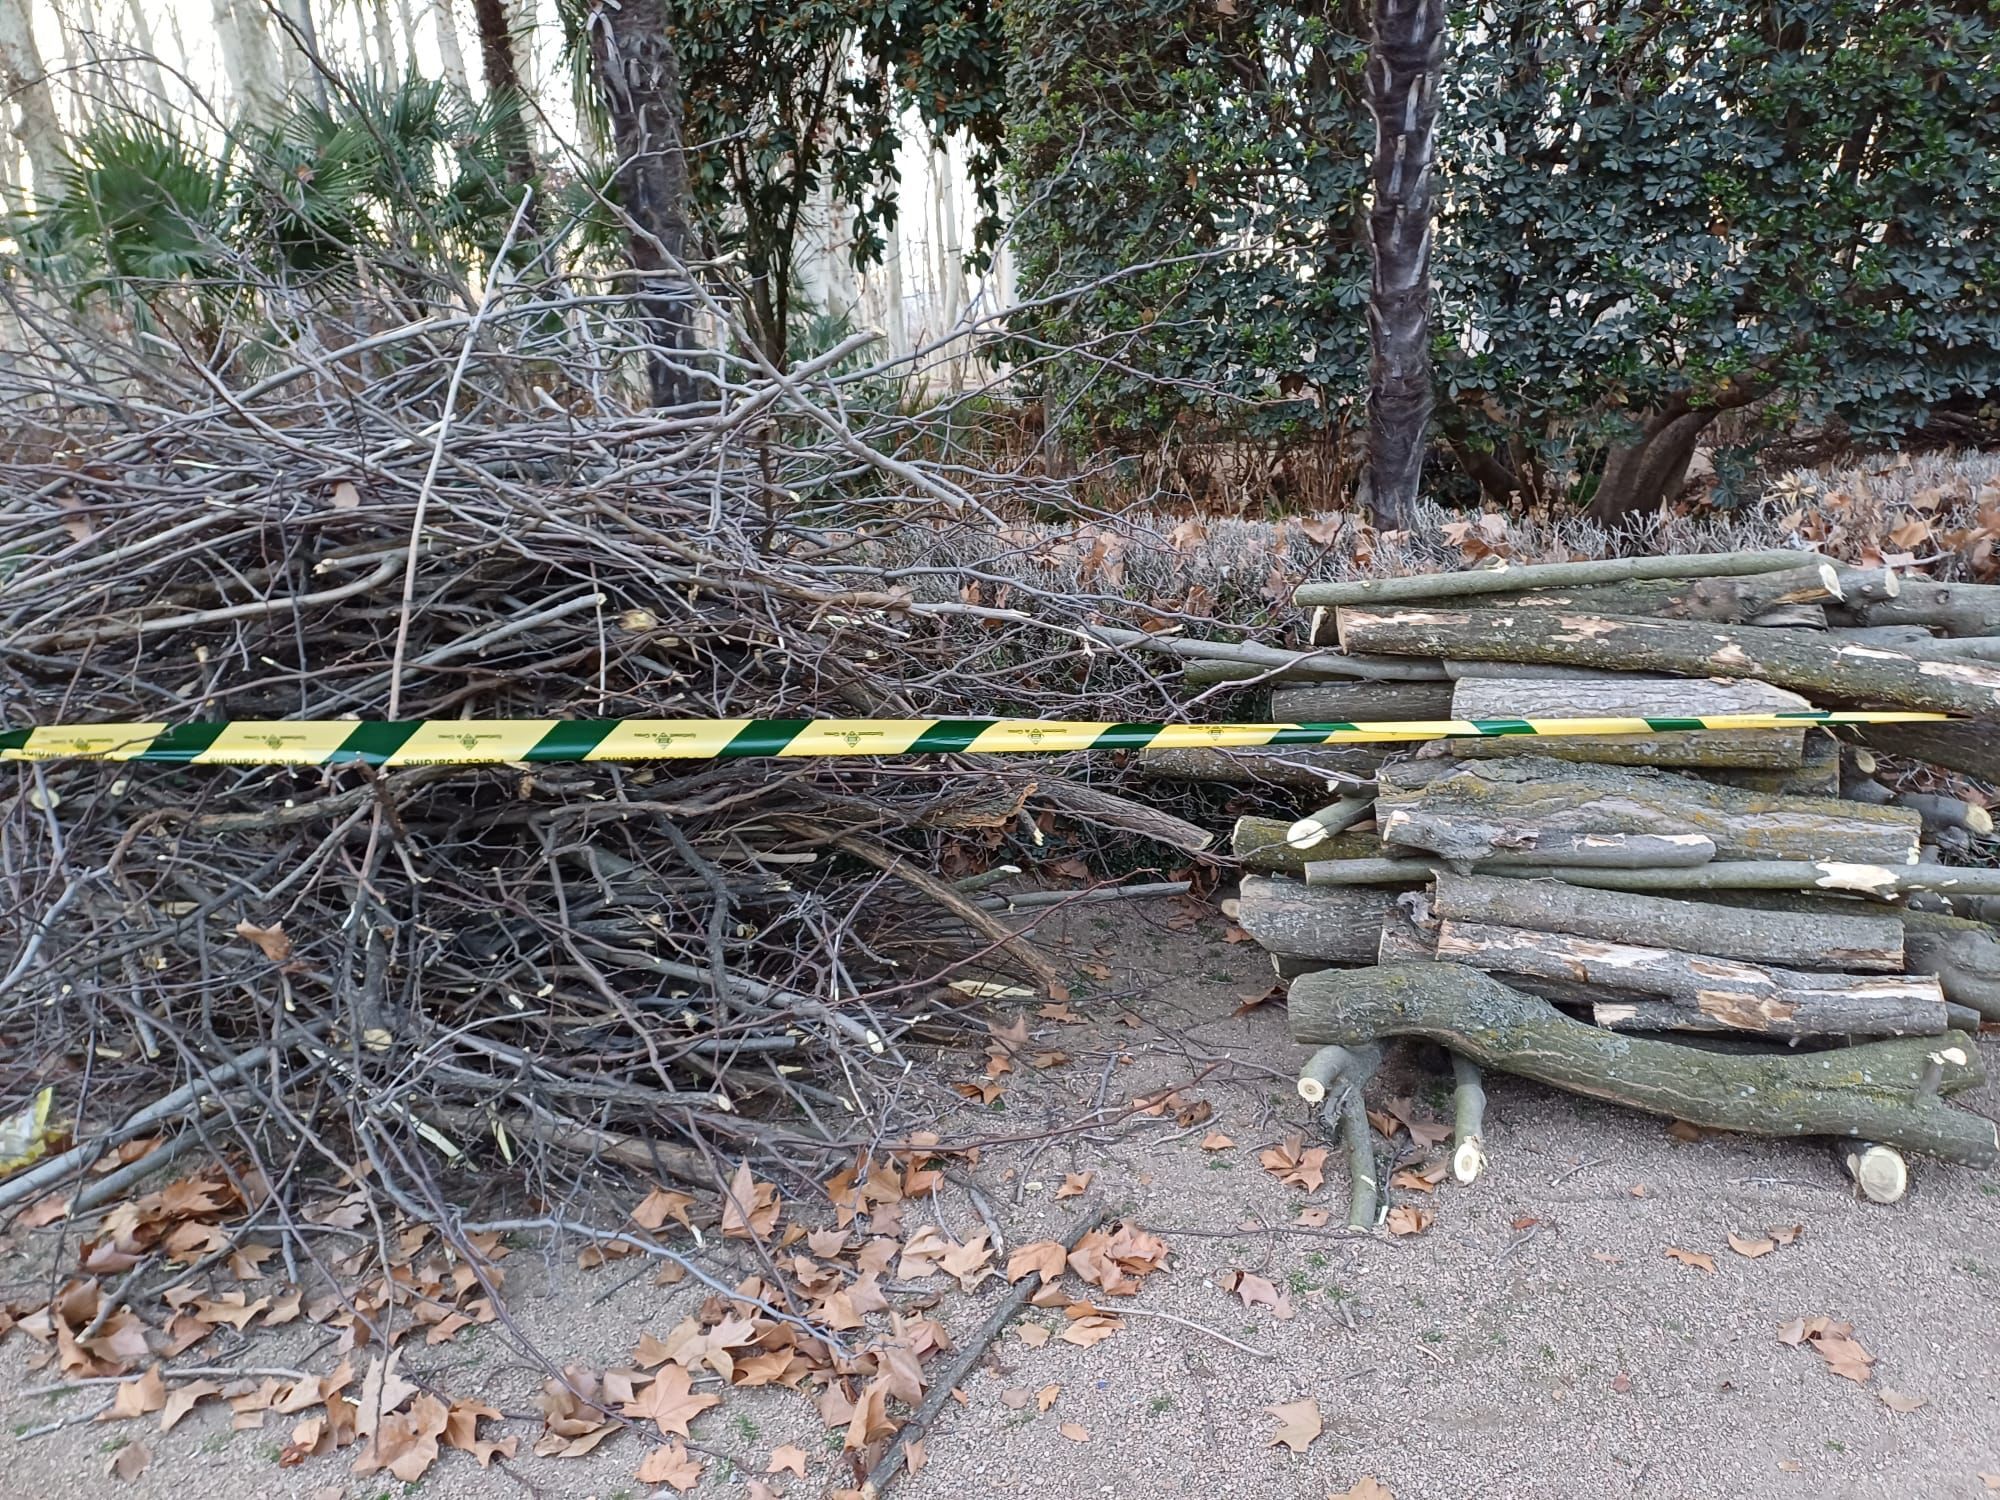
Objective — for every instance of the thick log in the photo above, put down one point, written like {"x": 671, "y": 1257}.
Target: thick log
{"x": 1570, "y": 698}
{"x": 1459, "y": 838}
{"x": 1535, "y": 792}
{"x": 1957, "y": 609}
{"x": 1879, "y": 1171}
{"x": 1801, "y": 660}
{"x": 1263, "y": 845}
{"x": 1874, "y": 1091}
{"x": 1206, "y": 673}
{"x": 1266, "y": 658}
{"x": 1816, "y": 775}
{"x": 1865, "y": 941}
{"x": 1718, "y": 601}
{"x": 1506, "y": 580}
{"x": 1342, "y": 702}
{"x": 1293, "y": 919}
{"x": 1318, "y": 767}
{"x": 1745, "y": 996}
{"x": 1971, "y": 748}
{"x": 1883, "y": 635}
{"x": 1883, "y": 882}
{"x": 1645, "y": 1015}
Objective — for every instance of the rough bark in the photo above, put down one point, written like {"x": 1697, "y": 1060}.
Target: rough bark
{"x": 1264, "y": 845}
{"x": 1816, "y": 775}
{"x": 1862, "y": 941}
{"x": 1468, "y": 1120}
{"x": 1550, "y": 796}
{"x": 1722, "y": 601}
{"x": 1823, "y": 669}
{"x": 1290, "y": 918}
{"x": 1874, "y": 1091}
{"x": 25, "y": 82}
{"x": 1638, "y": 477}
{"x": 1405, "y": 54}
{"x": 1884, "y": 882}
{"x": 1568, "y": 698}
{"x": 1459, "y": 838}
{"x": 1318, "y": 767}
{"x": 1342, "y": 702}
{"x": 1957, "y": 609}
{"x": 639, "y": 77}
{"x": 1426, "y": 587}
{"x": 1744, "y": 996}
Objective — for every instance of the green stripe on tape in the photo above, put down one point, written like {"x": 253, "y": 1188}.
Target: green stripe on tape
{"x": 1126, "y": 737}
{"x": 1502, "y": 726}
{"x": 372, "y": 744}
{"x": 1668, "y": 726}
{"x": 14, "y": 739}
{"x": 1306, "y": 734}
{"x": 949, "y": 735}
{"x": 182, "y": 743}
{"x": 572, "y": 739}
{"x": 765, "y": 737}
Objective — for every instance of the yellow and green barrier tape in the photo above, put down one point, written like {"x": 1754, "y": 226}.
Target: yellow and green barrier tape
{"x": 477, "y": 742}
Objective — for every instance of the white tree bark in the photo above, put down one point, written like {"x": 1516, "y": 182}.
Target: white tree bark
{"x": 36, "y": 128}
{"x": 450, "y": 53}
{"x": 250, "y": 66}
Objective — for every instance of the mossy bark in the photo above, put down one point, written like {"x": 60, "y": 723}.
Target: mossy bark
{"x": 1889, "y": 1091}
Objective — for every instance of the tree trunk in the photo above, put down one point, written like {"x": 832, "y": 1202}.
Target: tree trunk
{"x": 1567, "y": 698}
{"x": 1957, "y": 609}
{"x": 1822, "y": 668}
{"x": 1261, "y": 845}
{"x": 640, "y": 78}
{"x": 499, "y": 66}
{"x": 25, "y": 81}
{"x": 1719, "y": 601}
{"x": 1816, "y": 775}
{"x": 1430, "y": 587}
{"x": 1297, "y": 921}
{"x": 1859, "y": 941}
{"x": 1317, "y": 767}
{"x": 1405, "y": 54}
{"x": 1551, "y": 796}
{"x": 1737, "y": 994}
{"x": 1348, "y": 702}
{"x": 1880, "y": 1091}
{"x": 1883, "y": 882}
{"x": 1640, "y": 476}
{"x": 451, "y": 51}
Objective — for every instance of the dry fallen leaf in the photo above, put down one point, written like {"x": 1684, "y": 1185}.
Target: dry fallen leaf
{"x": 672, "y": 1465}
{"x": 1897, "y": 1401}
{"x": 1785, "y": 1234}
{"x": 787, "y": 1457}
{"x": 1692, "y": 1258}
{"x": 1215, "y": 1140}
{"x": 1293, "y": 1164}
{"x": 138, "y": 1396}
{"x": 1367, "y": 1488}
{"x": 1405, "y": 1219}
{"x": 1034, "y": 1335}
{"x": 1046, "y": 1397}
{"x": 1016, "y": 1398}
{"x": 1091, "y": 1329}
{"x": 1298, "y": 1424}
{"x": 1834, "y": 1342}
{"x": 1074, "y": 1433}
{"x": 129, "y": 1462}
{"x": 1750, "y": 1247}
{"x": 182, "y": 1399}
{"x": 271, "y": 941}
{"x": 671, "y": 1402}
{"x": 1075, "y": 1184}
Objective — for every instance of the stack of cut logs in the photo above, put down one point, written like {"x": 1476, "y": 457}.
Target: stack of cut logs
{"x": 1759, "y": 930}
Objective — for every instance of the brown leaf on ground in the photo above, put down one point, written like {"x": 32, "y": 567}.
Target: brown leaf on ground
{"x": 1314, "y": 1218}
{"x": 233, "y": 1308}
{"x": 1785, "y": 1234}
{"x": 1750, "y": 1247}
{"x": 1294, "y": 1164}
{"x": 1684, "y": 1130}
{"x": 672, "y": 1465}
{"x": 1692, "y": 1258}
{"x": 1046, "y": 1256}
{"x": 1117, "y": 1259}
{"x": 1215, "y": 1140}
{"x": 1074, "y": 1432}
{"x": 661, "y": 1205}
{"x": 572, "y": 1424}
{"x": 1421, "y": 1179}
{"x": 1424, "y": 1130}
{"x": 129, "y": 1462}
{"x": 1298, "y": 1424}
{"x": 1257, "y": 1291}
{"x": 183, "y": 1399}
{"x": 1034, "y": 1335}
{"x": 1409, "y": 1219}
{"x": 1075, "y": 1184}
{"x": 1046, "y": 1397}
{"x": 1368, "y": 1487}
{"x": 787, "y": 1458}
{"x": 270, "y": 941}
{"x": 1090, "y": 1329}
{"x": 461, "y": 1431}
{"x": 670, "y": 1401}
{"x": 383, "y": 1389}
{"x": 137, "y": 1396}
{"x": 406, "y": 1443}
{"x": 750, "y": 1209}
{"x": 1016, "y": 1398}
{"x": 870, "y": 1422}
{"x": 1897, "y": 1401}
{"x": 971, "y": 1262}
{"x": 921, "y": 1253}
{"x": 1834, "y": 1342}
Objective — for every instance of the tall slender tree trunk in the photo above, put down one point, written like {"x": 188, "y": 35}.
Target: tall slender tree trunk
{"x": 640, "y": 78}
{"x": 26, "y": 96}
{"x": 1404, "y": 59}
{"x": 499, "y": 67}
{"x": 450, "y": 52}
{"x": 249, "y": 59}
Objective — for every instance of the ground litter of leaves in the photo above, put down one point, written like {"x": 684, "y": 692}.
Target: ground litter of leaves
{"x": 1615, "y": 1308}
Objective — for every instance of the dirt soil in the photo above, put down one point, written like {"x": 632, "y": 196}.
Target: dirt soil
{"x": 1536, "y": 1340}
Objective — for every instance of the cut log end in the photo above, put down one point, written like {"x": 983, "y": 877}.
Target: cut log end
{"x": 1468, "y": 1160}
{"x": 1879, "y": 1172}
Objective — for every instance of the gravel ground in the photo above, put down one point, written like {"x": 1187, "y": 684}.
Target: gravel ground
{"x": 1535, "y": 1341}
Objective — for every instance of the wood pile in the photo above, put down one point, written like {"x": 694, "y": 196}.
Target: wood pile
{"x": 1767, "y": 930}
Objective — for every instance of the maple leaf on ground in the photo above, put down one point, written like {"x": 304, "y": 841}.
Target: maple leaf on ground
{"x": 1074, "y": 1432}
{"x": 383, "y": 1389}
{"x": 137, "y": 1396}
{"x": 661, "y": 1205}
{"x": 1898, "y": 1402}
{"x": 1368, "y": 1487}
{"x": 670, "y": 1401}
{"x": 129, "y": 1462}
{"x": 870, "y": 1422}
{"x": 1298, "y": 1424}
{"x": 1046, "y": 1256}
{"x": 749, "y": 1208}
{"x": 1034, "y": 1335}
{"x": 406, "y": 1443}
{"x": 270, "y": 941}
{"x": 1749, "y": 1246}
{"x": 1215, "y": 1140}
{"x": 1294, "y": 1164}
{"x": 1692, "y": 1258}
{"x": 671, "y": 1464}
{"x": 787, "y": 1457}
{"x": 1834, "y": 1342}
{"x": 1257, "y": 1291}
{"x": 461, "y": 1431}
{"x": 1091, "y": 1328}
{"x": 183, "y": 1399}
{"x": 1424, "y": 1131}
{"x": 1314, "y": 1218}
{"x": 971, "y": 1262}
{"x": 1075, "y": 1184}
{"x": 1404, "y": 1219}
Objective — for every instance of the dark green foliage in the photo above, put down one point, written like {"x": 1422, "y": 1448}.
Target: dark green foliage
{"x": 1685, "y": 208}
{"x": 1649, "y": 213}
{"x": 788, "y": 99}
{"x": 1198, "y": 171}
